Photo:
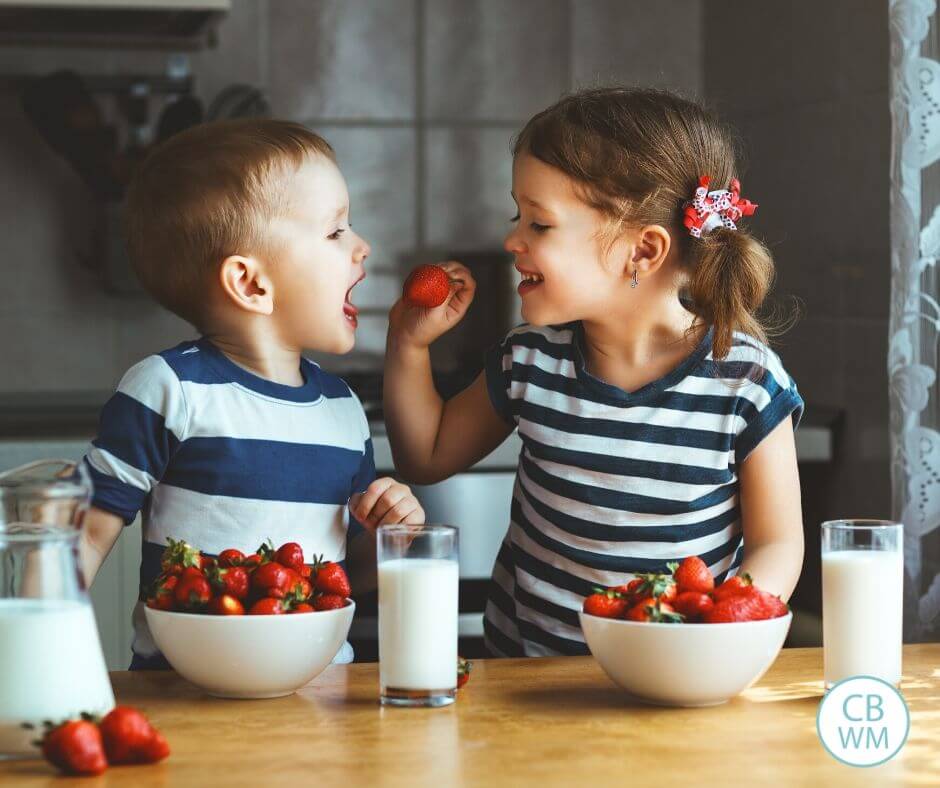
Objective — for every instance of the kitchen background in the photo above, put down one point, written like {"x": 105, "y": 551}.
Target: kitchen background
{"x": 421, "y": 99}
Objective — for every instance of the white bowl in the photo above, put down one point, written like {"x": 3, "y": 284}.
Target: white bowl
{"x": 250, "y": 656}
{"x": 684, "y": 664}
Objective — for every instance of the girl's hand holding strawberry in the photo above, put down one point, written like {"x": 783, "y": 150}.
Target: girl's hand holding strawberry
{"x": 418, "y": 326}
{"x": 386, "y": 501}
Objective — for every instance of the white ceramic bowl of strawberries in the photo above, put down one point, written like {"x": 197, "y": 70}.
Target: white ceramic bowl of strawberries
{"x": 250, "y": 656}
{"x": 691, "y": 663}
{"x": 255, "y": 626}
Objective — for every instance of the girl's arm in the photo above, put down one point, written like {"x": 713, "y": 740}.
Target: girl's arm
{"x": 430, "y": 439}
{"x": 771, "y": 513}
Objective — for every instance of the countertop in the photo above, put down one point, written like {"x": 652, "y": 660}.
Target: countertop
{"x": 539, "y": 722}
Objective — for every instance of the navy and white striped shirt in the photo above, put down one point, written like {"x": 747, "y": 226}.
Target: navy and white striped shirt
{"x": 219, "y": 457}
{"x": 612, "y": 483}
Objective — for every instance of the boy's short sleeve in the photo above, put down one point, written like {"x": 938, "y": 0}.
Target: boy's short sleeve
{"x": 765, "y": 404}
{"x": 139, "y": 430}
{"x": 498, "y": 370}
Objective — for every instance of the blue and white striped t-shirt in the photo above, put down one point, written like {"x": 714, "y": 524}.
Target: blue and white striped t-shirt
{"x": 219, "y": 457}
{"x": 612, "y": 483}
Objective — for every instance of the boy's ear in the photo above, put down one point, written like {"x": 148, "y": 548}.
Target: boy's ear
{"x": 651, "y": 248}
{"x": 245, "y": 284}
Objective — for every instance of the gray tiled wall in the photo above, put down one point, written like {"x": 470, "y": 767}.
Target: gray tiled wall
{"x": 420, "y": 98}
{"x": 811, "y": 100}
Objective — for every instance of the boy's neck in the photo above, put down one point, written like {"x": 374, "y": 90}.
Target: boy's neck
{"x": 262, "y": 356}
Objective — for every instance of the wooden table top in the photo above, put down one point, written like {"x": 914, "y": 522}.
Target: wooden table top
{"x": 538, "y": 722}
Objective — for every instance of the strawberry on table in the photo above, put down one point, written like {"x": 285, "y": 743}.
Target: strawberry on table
{"x": 606, "y": 604}
{"x": 127, "y": 735}
{"x": 427, "y": 286}
{"x": 75, "y": 747}
{"x": 692, "y": 574}
{"x": 464, "y": 666}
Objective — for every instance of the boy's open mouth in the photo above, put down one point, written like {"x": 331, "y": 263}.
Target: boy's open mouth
{"x": 530, "y": 281}
{"x": 349, "y": 310}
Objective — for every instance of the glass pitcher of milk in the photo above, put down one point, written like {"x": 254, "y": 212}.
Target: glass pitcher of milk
{"x": 51, "y": 663}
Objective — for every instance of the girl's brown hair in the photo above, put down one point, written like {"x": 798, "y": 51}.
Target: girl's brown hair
{"x": 636, "y": 155}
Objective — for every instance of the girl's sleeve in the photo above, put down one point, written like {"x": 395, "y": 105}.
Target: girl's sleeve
{"x": 764, "y": 404}
{"x": 498, "y": 370}
{"x": 139, "y": 430}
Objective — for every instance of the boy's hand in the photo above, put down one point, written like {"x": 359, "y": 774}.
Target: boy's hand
{"x": 386, "y": 501}
{"x": 418, "y": 326}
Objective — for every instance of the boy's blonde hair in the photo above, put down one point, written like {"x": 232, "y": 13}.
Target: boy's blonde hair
{"x": 208, "y": 193}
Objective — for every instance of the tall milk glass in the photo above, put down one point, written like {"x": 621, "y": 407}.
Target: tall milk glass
{"x": 862, "y": 584}
{"x": 418, "y": 578}
{"x": 51, "y": 664}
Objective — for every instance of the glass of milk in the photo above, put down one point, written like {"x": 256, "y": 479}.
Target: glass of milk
{"x": 418, "y": 578}
{"x": 862, "y": 585}
{"x": 51, "y": 663}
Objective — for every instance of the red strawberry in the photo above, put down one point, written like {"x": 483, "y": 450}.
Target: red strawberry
{"x": 231, "y": 557}
{"x": 653, "y": 610}
{"x": 731, "y": 586}
{"x": 192, "y": 590}
{"x": 290, "y": 555}
{"x": 231, "y": 580}
{"x": 329, "y": 602}
{"x": 693, "y": 605}
{"x": 305, "y": 571}
{"x": 272, "y": 580}
{"x": 658, "y": 585}
{"x": 162, "y": 596}
{"x": 464, "y": 666}
{"x": 427, "y": 286}
{"x": 206, "y": 562}
{"x": 331, "y": 578}
{"x": 124, "y": 730}
{"x": 736, "y": 607}
{"x": 252, "y": 562}
{"x": 177, "y": 556}
{"x": 226, "y": 605}
{"x": 606, "y": 604}
{"x": 303, "y": 607}
{"x": 154, "y": 750}
{"x": 631, "y": 588}
{"x": 693, "y": 575}
{"x": 774, "y": 606}
{"x": 75, "y": 747}
{"x": 267, "y": 606}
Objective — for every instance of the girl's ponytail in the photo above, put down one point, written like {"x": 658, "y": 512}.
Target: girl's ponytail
{"x": 730, "y": 277}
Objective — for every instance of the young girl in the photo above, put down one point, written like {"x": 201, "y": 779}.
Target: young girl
{"x": 655, "y": 422}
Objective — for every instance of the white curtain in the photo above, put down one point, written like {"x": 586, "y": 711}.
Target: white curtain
{"x": 914, "y": 349}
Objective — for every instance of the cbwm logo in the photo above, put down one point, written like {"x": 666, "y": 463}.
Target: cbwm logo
{"x": 863, "y": 721}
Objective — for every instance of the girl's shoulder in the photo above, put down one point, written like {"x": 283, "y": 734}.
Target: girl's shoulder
{"x": 750, "y": 362}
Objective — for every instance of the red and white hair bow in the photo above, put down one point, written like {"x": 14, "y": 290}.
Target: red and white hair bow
{"x": 709, "y": 210}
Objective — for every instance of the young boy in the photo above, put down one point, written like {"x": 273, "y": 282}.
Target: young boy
{"x": 241, "y": 228}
